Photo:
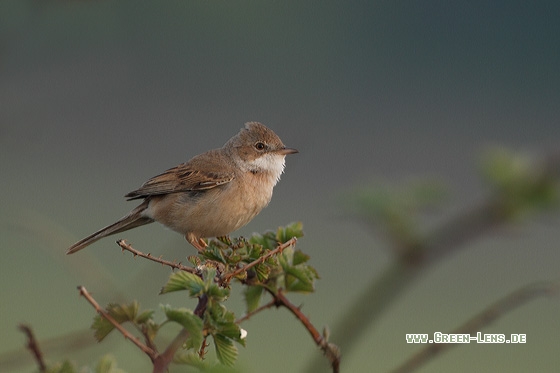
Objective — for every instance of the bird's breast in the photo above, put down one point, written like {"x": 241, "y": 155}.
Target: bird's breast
{"x": 217, "y": 211}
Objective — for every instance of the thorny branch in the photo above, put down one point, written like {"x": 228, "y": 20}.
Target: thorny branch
{"x": 330, "y": 350}
{"x": 148, "y": 351}
{"x": 161, "y": 361}
{"x": 270, "y": 304}
{"x": 262, "y": 259}
{"x": 173, "y": 265}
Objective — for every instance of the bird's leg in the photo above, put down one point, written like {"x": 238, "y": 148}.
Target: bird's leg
{"x": 202, "y": 244}
{"x": 197, "y": 242}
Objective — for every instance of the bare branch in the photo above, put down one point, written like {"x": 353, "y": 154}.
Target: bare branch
{"x": 148, "y": 351}
{"x": 270, "y": 304}
{"x": 162, "y": 361}
{"x": 173, "y": 265}
{"x": 33, "y": 346}
{"x": 330, "y": 350}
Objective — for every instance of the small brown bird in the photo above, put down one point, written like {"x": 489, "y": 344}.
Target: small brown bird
{"x": 211, "y": 195}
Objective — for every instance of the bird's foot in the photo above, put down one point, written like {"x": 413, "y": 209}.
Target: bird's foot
{"x": 197, "y": 242}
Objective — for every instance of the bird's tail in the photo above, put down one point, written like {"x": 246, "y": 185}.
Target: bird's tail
{"x": 132, "y": 220}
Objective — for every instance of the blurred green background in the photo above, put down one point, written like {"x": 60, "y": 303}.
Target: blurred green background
{"x": 98, "y": 96}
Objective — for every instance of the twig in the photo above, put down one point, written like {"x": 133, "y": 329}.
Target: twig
{"x": 148, "y": 351}
{"x": 162, "y": 361}
{"x": 33, "y": 346}
{"x": 484, "y": 318}
{"x": 270, "y": 304}
{"x": 15, "y": 360}
{"x": 292, "y": 241}
{"x": 330, "y": 350}
{"x": 174, "y": 265}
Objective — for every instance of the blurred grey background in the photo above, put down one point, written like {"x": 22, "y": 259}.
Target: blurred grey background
{"x": 98, "y": 96}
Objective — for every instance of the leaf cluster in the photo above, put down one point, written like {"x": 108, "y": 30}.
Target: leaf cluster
{"x": 522, "y": 183}
{"x": 263, "y": 263}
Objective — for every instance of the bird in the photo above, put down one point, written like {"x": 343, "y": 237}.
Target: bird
{"x": 212, "y": 194}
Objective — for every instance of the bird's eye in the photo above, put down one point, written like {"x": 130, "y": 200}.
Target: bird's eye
{"x": 260, "y": 146}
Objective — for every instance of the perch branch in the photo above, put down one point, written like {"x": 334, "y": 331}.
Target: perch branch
{"x": 174, "y": 265}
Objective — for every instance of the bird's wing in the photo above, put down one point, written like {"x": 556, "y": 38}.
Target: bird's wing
{"x": 185, "y": 177}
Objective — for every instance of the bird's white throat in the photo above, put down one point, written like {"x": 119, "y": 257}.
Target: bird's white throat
{"x": 270, "y": 163}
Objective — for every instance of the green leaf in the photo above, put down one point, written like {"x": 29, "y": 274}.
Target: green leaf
{"x": 64, "y": 367}
{"x": 262, "y": 272}
{"x": 219, "y": 320}
{"x": 522, "y": 185}
{"x": 300, "y": 257}
{"x": 190, "y": 358}
{"x": 208, "y": 275}
{"x": 299, "y": 279}
{"x": 213, "y": 252}
{"x": 144, "y": 317}
{"x": 255, "y": 251}
{"x": 217, "y": 293}
{"x": 219, "y": 314}
{"x": 284, "y": 234}
{"x": 194, "y": 260}
{"x": 123, "y": 312}
{"x": 211, "y": 289}
{"x": 225, "y": 240}
{"x": 266, "y": 240}
{"x": 191, "y": 322}
{"x": 253, "y": 296}
{"x": 184, "y": 281}
{"x": 107, "y": 364}
{"x": 298, "y": 276}
{"x": 225, "y": 349}
{"x": 101, "y": 327}
{"x": 150, "y": 329}
{"x": 232, "y": 331}
{"x": 506, "y": 169}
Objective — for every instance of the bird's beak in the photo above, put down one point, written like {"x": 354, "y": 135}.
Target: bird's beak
{"x": 285, "y": 151}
